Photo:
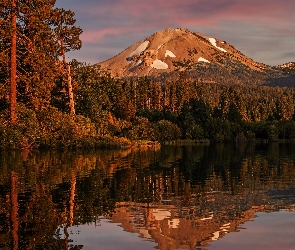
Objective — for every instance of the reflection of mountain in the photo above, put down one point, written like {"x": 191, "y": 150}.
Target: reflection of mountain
{"x": 172, "y": 227}
{"x": 171, "y": 231}
{"x": 177, "y": 196}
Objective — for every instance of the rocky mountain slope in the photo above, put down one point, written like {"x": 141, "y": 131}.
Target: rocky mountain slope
{"x": 206, "y": 58}
{"x": 170, "y": 49}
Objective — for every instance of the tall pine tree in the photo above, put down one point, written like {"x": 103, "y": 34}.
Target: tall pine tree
{"x": 34, "y": 35}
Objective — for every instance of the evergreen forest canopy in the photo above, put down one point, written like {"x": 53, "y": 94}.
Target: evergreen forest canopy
{"x": 46, "y": 102}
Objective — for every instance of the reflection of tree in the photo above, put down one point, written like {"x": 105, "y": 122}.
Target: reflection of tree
{"x": 34, "y": 216}
{"x": 72, "y": 198}
{"x": 70, "y": 218}
{"x": 45, "y": 193}
{"x": 14, "y": 210}
{"x": 39, "y": 220}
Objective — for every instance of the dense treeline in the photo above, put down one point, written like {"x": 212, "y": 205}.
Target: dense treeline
{"x": 118, "y": 111}
{"x": 169, "y": 108}
{"x": 62, "y": 104}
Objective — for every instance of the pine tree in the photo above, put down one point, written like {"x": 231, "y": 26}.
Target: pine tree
{"x": 67, "y": 36}
{"x": 34, "y": 35}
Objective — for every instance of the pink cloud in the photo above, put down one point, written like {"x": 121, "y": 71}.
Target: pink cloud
{"x": 133, "y": 15}
{"x": 95, "y": 35}
{"x": 132, "y": 8}
{"x": 120, "y": 23}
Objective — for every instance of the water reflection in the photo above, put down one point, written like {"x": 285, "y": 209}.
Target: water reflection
{"x": 172, "y": 198}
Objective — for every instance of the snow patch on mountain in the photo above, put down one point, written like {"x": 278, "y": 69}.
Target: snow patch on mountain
{"x": 160, "y": 46}
{"x": 142, "y": 47}
{"x": 169, "y": 53}
{"x": 158, "y": 64}
{"x": 213, "y": 42}
{"x": 201, "y": 59}
{"x": 138, "y": 62}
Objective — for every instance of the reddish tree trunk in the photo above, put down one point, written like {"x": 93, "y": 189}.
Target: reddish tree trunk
{"x": 13, "y": 115}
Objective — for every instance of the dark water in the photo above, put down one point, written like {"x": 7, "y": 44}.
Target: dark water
{"x": 220, "y": 196}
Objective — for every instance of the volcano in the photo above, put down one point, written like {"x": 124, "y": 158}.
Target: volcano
{"x": 173, "y": 50}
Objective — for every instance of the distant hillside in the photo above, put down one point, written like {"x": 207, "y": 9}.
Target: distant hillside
{"x": 288, "y": 66}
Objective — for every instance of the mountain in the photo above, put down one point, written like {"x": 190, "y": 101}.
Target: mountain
{"x": 203, "y": 58}
{"x": 175, "y": 49}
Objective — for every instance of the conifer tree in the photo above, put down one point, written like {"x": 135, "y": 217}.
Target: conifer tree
{"x": 68, "y": 39}
{"x": 38, "y": 34}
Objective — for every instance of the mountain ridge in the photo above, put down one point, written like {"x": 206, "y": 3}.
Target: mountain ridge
{"x": 172, "y": 50}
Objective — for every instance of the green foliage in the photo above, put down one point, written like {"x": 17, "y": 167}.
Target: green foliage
{"x": 61, "y": 130}
{"x": 64, "y": 30}
{"x": 191, "y": 130}
{"x": 272, "y": 132}
{"x": 24, "y": 134}
{"x": 141, "y": 129}
{"x": 153, "y": 115}
{"x": 51, "y": 128}
{"x": 167, "y": 131}
{"x": 233, "y": 114}
{"x": 90, "y": 97}
{"x": 222, "y": 130}
{"x": 286, "y": 130}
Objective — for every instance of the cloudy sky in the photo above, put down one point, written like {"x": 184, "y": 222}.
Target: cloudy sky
{"x": 261, "y": 29}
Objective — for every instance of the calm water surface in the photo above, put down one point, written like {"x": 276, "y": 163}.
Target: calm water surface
{"x": 220, "y": 196}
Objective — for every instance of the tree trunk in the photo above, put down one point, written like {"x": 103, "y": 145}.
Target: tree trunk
{"x": 69, "y": 81}
{"x": 13, "y": 115}
{"x": 70, "y": 90}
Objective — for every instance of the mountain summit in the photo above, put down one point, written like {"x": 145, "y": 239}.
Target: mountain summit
{"x": 175, "y": 49}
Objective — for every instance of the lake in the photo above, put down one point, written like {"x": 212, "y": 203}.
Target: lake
{"x": 219, "y": 196}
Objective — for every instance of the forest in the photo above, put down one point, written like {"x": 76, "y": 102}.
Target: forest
{"x": 47, "y": 102}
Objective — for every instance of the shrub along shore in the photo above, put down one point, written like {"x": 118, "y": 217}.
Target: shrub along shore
{"x": 53, "y": 129}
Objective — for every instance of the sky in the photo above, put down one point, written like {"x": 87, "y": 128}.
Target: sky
{"x": 261, "y": 29}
